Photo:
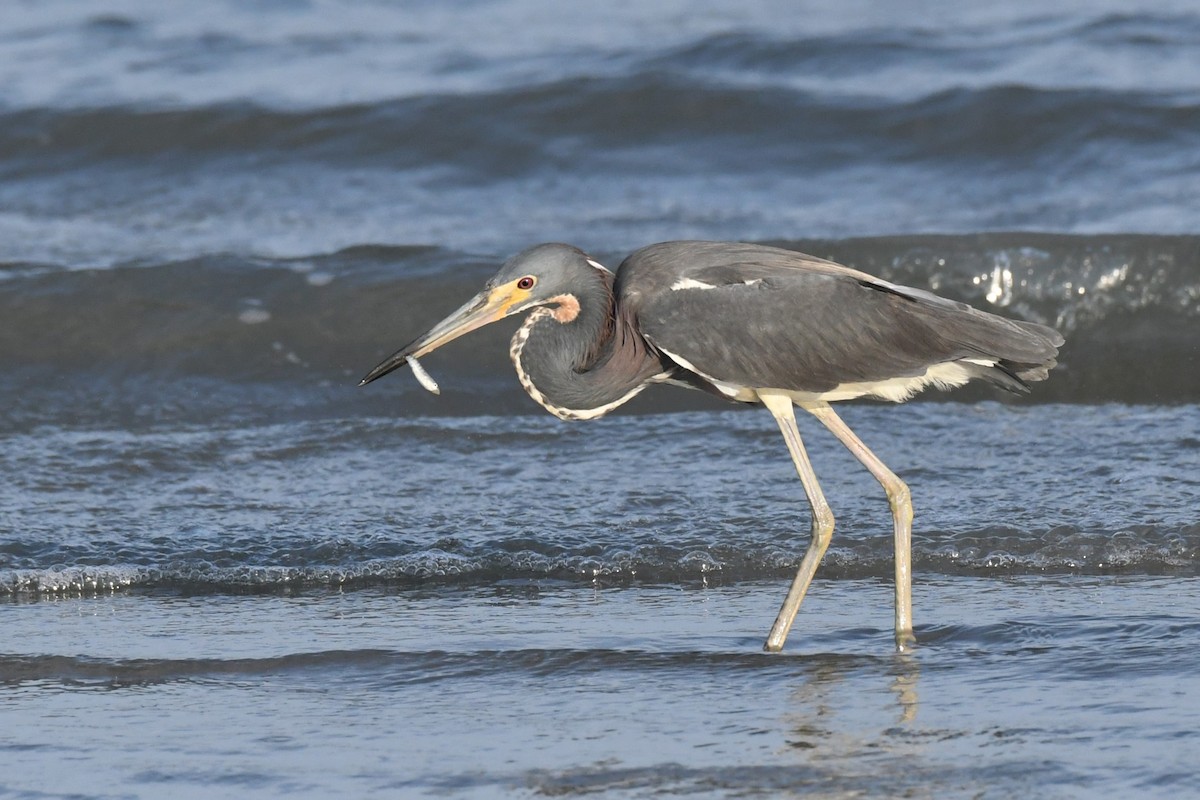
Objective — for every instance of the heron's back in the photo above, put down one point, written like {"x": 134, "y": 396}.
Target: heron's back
{"x": 763, "y": 317}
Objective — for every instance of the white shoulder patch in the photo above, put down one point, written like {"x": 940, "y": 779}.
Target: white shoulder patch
{"x": 690, "y": 283}
{"x": 730, "y": 390}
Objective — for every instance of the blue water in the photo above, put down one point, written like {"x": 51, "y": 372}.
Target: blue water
{"x": 227, "y": 572}
{"x": 133, "y": 130}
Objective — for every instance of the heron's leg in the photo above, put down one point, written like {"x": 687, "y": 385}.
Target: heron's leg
{"x": 780, "y": 406}
{"x": 902, "y": 515}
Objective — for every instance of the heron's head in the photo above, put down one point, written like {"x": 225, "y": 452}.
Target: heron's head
{"x": 551, "y": 275}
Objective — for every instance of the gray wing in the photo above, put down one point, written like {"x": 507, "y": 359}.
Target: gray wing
{"x": 769, "y": 318}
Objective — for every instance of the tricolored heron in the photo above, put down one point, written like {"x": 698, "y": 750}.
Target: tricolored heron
{"x": 751, "y": 324}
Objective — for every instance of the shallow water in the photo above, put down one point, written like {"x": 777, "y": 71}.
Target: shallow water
{"x": 1046, "y": 685}
{"x": 481, "y": 606}
{"x": 700, "y": 496}
{"x": 225, "y": 571}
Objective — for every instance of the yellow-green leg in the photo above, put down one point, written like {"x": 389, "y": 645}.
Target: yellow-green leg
{"x": 902, "y": 515}
{"x": 780, "y": 406}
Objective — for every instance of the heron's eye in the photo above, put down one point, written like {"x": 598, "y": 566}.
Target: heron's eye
{"x": 526, "y": 283}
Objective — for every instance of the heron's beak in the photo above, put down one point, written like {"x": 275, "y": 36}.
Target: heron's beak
{"x": 486, "y": 307}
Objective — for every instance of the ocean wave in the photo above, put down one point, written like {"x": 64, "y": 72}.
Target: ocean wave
{"x": 654, "y": 154}
{"x": 1146, "y": 550}
{"x": 323, "y": 55}
{"x": 584, "y": 122}
{"x": 399, "y": 667}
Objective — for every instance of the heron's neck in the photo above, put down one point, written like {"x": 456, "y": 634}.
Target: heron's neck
{"x": 580, "y": 359}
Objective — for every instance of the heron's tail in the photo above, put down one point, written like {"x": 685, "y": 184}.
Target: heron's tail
{"x": 1012, "y": 353}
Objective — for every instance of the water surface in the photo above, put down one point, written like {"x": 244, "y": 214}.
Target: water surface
{"x": 225, "y": 571}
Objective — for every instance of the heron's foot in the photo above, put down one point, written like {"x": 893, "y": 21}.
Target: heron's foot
{"x": 905, "y": 641}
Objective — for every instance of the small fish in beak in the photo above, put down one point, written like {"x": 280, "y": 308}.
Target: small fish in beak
{"x": 490, "y": 305}
{"x": 423, "y": 377}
